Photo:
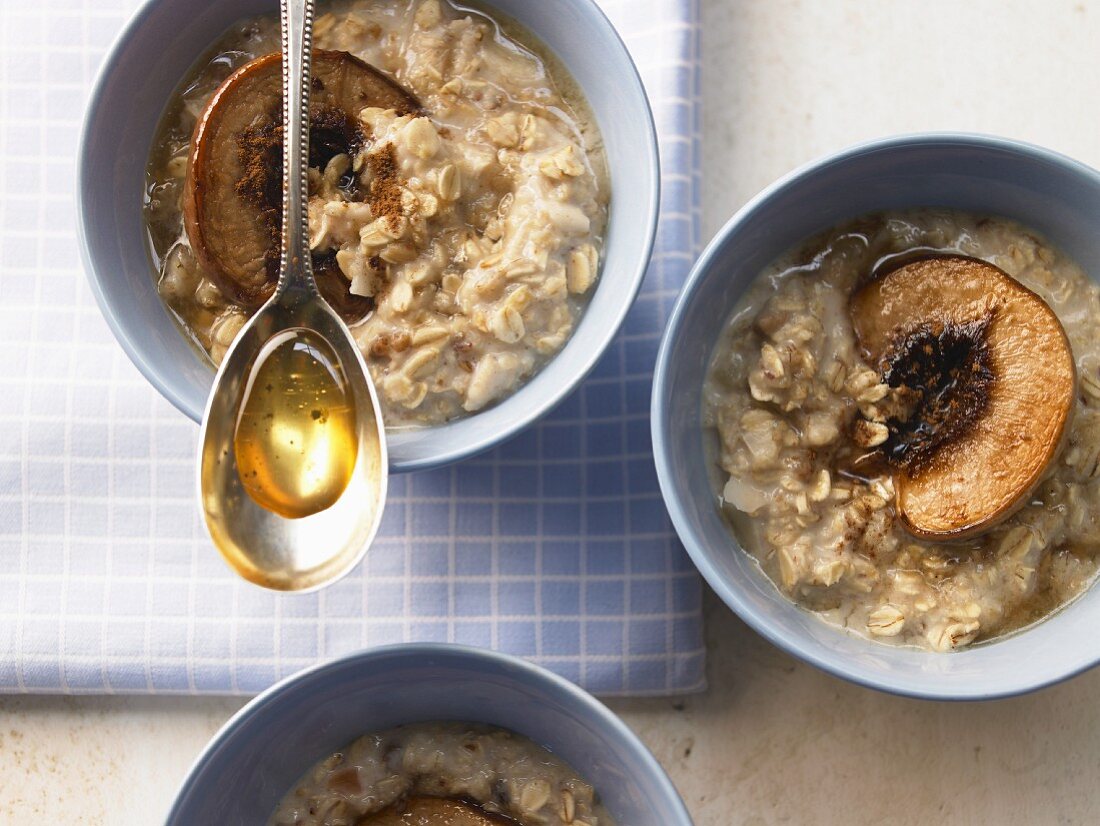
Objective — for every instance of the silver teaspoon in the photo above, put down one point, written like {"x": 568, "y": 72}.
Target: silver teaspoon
{"x": 292, "y": 464}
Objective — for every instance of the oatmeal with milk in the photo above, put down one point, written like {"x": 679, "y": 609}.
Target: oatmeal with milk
{"x": 907, "y": 412}
{"x": 458, "y": 196}
{"x": 456, "y": 774}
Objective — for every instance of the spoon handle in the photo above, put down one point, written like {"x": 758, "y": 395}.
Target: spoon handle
{"x": 295, "y": 268}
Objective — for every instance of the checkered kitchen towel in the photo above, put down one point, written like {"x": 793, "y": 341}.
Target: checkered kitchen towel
{"x": 554, "y": 547}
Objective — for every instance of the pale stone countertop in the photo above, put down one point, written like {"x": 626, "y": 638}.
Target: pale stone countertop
{"x": 774, "y": 740}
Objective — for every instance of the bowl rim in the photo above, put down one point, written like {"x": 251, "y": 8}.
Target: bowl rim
{"x": 453, "y": 450}
{"x": 574, "y": 697}
{"x": 810, "y": 651}
{"x": 83, "y": 164}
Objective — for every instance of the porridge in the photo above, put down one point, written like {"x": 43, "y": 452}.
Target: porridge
{"x": 816, "y": 477}
{"x": 455, "y": 220}
{"x": 441, "y": 774}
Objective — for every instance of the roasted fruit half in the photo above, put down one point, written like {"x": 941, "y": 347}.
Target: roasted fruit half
{"x": 232, "y": 200}
{"x": 988, "y": 380}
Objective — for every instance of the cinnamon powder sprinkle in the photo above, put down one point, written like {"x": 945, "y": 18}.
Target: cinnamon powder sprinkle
{"x": 260, "y": 154}
{"x": 385, "y": 188}
{"x": 945, "y": 369}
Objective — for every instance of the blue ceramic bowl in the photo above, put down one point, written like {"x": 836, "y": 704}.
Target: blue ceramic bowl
{"x": 1048, "y": 192}
{"x": 259, "y": 754}
{"x": 153, "y": 54}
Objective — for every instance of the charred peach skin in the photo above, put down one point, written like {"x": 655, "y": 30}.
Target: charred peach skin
{"x": 998, "y": 391}
{"x": 232, "y": 199}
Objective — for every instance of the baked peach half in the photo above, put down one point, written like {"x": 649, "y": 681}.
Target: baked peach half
{"x": 232, "y": 201}
{"x": 989, "y": 381}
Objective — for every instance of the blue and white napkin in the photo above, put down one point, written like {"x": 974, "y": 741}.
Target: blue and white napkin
{"x": 554, "y": 547}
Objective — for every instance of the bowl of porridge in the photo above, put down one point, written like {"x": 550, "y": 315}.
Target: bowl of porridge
{"x": 427, "y": 734}
{"x": 483, "y": 199}
{"x": 876, "y": 415}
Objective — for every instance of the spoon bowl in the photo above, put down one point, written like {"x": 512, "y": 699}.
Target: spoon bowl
{"x": 262, "y": 546}
{"x": 293, "y": 520}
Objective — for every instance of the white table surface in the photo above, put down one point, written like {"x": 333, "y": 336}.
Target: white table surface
{"x": 773, "y": 740}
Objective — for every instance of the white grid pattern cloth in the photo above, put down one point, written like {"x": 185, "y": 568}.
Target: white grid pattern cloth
{"x": 554, "y": 547}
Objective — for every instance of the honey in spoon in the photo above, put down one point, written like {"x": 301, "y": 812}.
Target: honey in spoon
{"x": 296, "y": 440}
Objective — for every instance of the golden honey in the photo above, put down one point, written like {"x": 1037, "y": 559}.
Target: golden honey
{"x": 296, "y": 440}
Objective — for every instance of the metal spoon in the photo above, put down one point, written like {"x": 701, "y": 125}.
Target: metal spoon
{"x": 269, "y": 549}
